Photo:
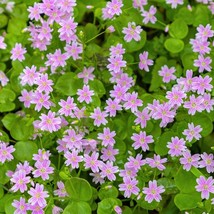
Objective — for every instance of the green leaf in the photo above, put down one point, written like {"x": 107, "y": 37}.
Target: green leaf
{"x": 16, "y": 25}
{"x": 6, "y": 94}
{"x": 9, "y": 120}
{"x": 187, "y": 201}
{"x": 90, "y": 32}
{"x": 204, "y": 121}
{"x": 185, "y": 181}
{"x": 201, "y": 15}
{"x": 79, "y": 207}
{"x": 161, "y": 144}
{"x": 98, "y": 87}
{"x": 68, "y": 84}
{"x": 148, "y": 206}
{"x": 3, "y": 20}
{"x": 9, "y": 208}
{"x": 174, "y": 45}
{"x": 22, "y": 129}
{"x": 8, "y": 106}
{"x": 156, "y": 78}
{"x": 178, "y": 29}
{"x": 186, "y": 15}
{"x": 78, "y": 189}
{"x": 108, "y": 192}
{"x": 107, "y": 205}
{"x": 25, "y": 150}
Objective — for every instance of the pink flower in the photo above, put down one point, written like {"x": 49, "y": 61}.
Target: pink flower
{"x": 2, "y": 44}
{"x": 201, "y": 84}
{"x": 194, "y": 104}
{"x": 153, "y": 192}
{"x": 92, "y": 162}
{"x": 85, "y": 94}
{"x": 200, "y": 46}
{"x": 117, "y": 50}
{"x": 192, "y": 132}
{"x": 49, "y": 122}
{"x": 175, "y": 96}
{"x": 109, "y": 153}
{"x": 86, "y": 74}
{"x": 43, "y": 169}
{"x": 112, "y": 107}
{"x": 73, "y": 159}
{"x": 142, "y": 117}
{"x": 3, "y": 78}
{"x": 5, "y": 152}
{"x": 189, "y": 160}
{"x": 186, "y": 83}
{"x": 135, "y": 163}
{"x": 132, "y": 32}
{"x": 107, "y": 137}
{"x": 29, "y": 76}
{"x": 149, "y": 16}
{"x": 26, "y": 97}
{"x": 21, "y": 206}
{"x": 176, "y": 146}
{"x": 20, "y": 181}
{"x": 207, "y": 162}
{"x": 167, "y": 73}
{"x": 74, "y": 50}
{"x": 174, "y": 3}
{"x": 18, "y": 52}
{"x": 204, "y": 32}
{"x": 44, "y": 84}
{"x": 129, "y": 186}
{"x": 203, "y": 63}
{"x": 144, "y": 61}
{"x": 35, "y": 12}
{"x": 99, "y": 117}
{"x": 141, "y": 140}
{"x": 156, "y": 162}
{"x": 67, "y": 107}
{"x": 208, "y": 102}
{"x": 116, "y": 63}
{"x": 38, "y": 195}
{"x": 132, "y": 102}
{"x": 108, "y": 170}
{"x": 205, "y": 186}
{"x": 61, "y": 191}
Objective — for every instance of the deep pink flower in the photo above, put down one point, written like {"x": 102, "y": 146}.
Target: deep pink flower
{"x": 153, "y": 192}
{"x": 38, "y": 195}
{"x": 144, "y": 61}
{"x": 205, "y": 186}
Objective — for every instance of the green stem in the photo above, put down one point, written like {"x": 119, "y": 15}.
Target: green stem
{"x": 95, "y": 37}
{"x": 59, "y": 160}
{"x": 161, "y": 23}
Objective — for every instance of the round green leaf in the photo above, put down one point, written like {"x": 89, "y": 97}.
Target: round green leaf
{"x": 187, "y": 201}
{"x": 108, "y": 192}
{"x": 174, "y": 45}
{"x": 186, "y": 15}
{"x": 107, "y": 205}
{"x": 79, "y": 207}
{"x": 78, "y": 189}
{"x": 3, "y": 20}
{"x": 25, "y": 150}
{"x": 98, "y": 87}
{"x": 204, "y": 121}
{"x": 161, "y": 145}
{"x": 22, "y": 129}
{"x": 190, "y": 181}
{"x": 68, "y": 84}
{"x": 9, "y": 120}
{"x": 178, "y": 29}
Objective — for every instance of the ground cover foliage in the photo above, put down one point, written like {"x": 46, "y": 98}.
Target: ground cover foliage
{"x": 106, "y": 106}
